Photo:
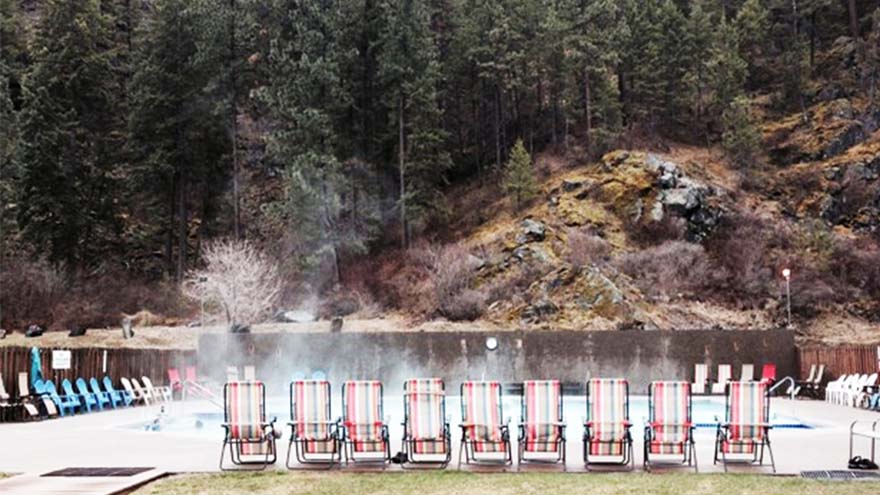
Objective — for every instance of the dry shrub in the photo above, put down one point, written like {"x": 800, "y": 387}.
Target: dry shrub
{"x": 36, "y": 292}
{"x": 239, "y": 282}
{"x": 740, "y": 251}
{"x": 585, "y": 248}
{"x": 855, "y": 265}
{"x": 30, "y": 290}
{"x": 855, "y": 194}
{"x": 428, "y": 281}
{"x": 651, "y": 233}
{"x": 672, "y": 269}
{"x": 467, "y": 305}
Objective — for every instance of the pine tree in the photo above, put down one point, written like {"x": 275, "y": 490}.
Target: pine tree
{"x": 740, "y": 138}
{"x": 591, "y": 55}
{"x": 12, "y": 51}
{"x": 752, "y": 25}
{"x": 701, "y": 31}
{"x": 727, "y": 68}
{"x": 227, "y": 40}
{"x": 69, "y": 194}
{"x": 306, "y": 98}
{"x": 410, "y": 75}
{"x": 519, "y": 179}
{"x": 177, "y": 141}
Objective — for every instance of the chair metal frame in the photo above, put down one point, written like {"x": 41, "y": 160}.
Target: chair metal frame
{"x": 298, "y": 445}
{"x": 560, "y": 441}
{"x": 627, "y": 458}
{"x": 409, "y": 443}
{"x": 468, "y": 443}
{"x": 348, "y": 444}
{"x": 724, "y": 429}
{"x": 236, "y": 443}
{"x": 690, "y": 451}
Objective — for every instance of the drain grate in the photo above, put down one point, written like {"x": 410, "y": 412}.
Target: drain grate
{"x": 840, "y": 475}
{"x": 99, "y": 471}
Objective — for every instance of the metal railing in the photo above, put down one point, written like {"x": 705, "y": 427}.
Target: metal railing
{"x": 792, "y": 390}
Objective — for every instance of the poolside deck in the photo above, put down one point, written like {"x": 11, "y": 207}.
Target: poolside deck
{"x": 96, "y": 440}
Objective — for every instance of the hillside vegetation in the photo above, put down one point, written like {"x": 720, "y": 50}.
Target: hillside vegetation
{"x": 583, "y": 164}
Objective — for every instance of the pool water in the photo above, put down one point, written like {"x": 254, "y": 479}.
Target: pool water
{"x": 184, "y": 420}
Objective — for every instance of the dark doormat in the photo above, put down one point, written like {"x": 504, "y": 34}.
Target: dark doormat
{"x": 99, "y": 471}
{"x": 840, "y": 475}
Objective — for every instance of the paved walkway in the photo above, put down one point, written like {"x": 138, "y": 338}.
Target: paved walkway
{"x": 97, "y": 440}
{"x": 34, "y": 484}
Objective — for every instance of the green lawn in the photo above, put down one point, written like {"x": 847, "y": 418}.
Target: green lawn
{"x": 457, "y": 483}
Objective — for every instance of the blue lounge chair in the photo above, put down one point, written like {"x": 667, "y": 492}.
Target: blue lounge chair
{"x": 117, "y": 395}
{"x": 67, "y": 387}
{"x": 65, "y": 403}
{"x": 101, "y": 396}
{"x": 84, "y": 394}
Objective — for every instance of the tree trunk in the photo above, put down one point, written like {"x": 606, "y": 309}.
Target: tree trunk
{"x": 401, "y": 156}
{"x": 182, "y": 228}
{"x": 169, "y": 239}
{"x": 588, "y": 109}
{"x": 233, "y": 116}
{"x": 330, "y": 230}
{"x": 497, "y": 127}
{"x": 853, "y": 19}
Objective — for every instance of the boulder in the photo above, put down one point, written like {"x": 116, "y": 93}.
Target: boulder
{"x": 569, "y": 185}
{"x": 33, "y": 330}
{"x": 532, "y": 231}
{"x": 538, "y": 311}
{"x": 681, "y": 200}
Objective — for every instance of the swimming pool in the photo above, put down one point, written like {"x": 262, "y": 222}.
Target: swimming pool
{"x": 203, "y": 420}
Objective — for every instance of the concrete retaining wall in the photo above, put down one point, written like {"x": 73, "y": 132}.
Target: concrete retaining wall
{"x": 570, "y": 356}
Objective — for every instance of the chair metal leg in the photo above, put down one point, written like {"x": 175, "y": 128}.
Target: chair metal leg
{"x": 770, "y": 450}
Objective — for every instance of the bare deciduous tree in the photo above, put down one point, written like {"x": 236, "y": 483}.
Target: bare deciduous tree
{"x": 238, "y": 280}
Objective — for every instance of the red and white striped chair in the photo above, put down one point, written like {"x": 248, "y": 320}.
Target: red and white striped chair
{"x": 426, "y": 438}
{"x": 314, "y": 437}
{"x": 670, "y": 429}
{"x": 607, "y": 429}
{"x": 365, "y": 434}
{"x": 251, "y": 439}
{"x": 746, "y": 427}
{"x": 485, "y": 437}
{"x": 542, "y": 427}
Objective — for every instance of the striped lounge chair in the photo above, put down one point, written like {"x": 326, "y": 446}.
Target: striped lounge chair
{"x": 314, "y": 436}
{"x": 251, "y": 439}
{"x": 426, "y": 438}
{"x": 542, "y": 427}
{"x": 746, "y": 427}
{"x": 607, "y": 429}
{"x": 364, "y": 433}
{"x": 485, "y": 437}
{"x": 670, "y": 429}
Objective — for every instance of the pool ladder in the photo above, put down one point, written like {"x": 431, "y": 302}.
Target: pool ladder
{"x": 792, "y": 389}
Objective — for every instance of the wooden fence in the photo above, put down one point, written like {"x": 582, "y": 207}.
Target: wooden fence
{"x": 89, "y": 362}
{"x": 838, "y": 360}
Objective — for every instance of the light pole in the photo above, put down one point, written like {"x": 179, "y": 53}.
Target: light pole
{"x": 786, "y": 273}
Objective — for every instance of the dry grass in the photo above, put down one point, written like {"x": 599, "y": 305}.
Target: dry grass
{"x": 188, "y": 338}
{"x": 447, "y": 482}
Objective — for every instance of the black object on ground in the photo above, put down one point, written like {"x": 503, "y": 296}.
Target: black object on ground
{"x": 77, "y": 331}
{"x": 33, "y": 330}
{"x": 239, "y": 328}
{"x": 99, "y": 471}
